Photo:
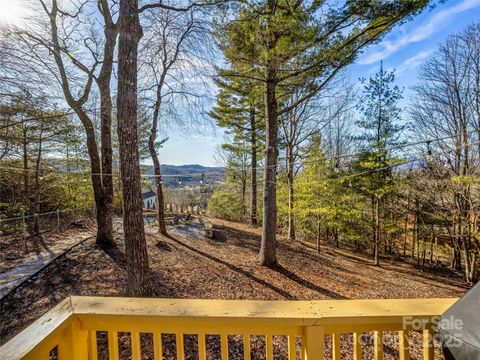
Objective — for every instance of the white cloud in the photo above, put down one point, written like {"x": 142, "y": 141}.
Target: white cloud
{"x": 11, "y": 12}
{"x": 19, "y": 12}
{"x": 420, "y": 33}
{"x": 414, "y": 61}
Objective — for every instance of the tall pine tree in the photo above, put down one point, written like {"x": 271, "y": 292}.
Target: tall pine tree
{"x": 379, "y": 107}
{"x": 275, "y": 41}
{"x": 239, "y": 110}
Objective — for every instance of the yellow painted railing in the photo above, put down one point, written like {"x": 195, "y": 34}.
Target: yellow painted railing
{"x": 74, "y": 328}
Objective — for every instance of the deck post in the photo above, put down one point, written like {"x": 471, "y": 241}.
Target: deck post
{"x": 74, "y": 344}
{"x": 313, "y": 343}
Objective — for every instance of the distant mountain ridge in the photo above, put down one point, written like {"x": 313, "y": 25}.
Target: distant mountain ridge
{"x": 186, "y": 169}
{"x": 177, "y": 176}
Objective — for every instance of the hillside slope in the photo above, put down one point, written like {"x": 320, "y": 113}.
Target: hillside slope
{"x": 225, "y": 268}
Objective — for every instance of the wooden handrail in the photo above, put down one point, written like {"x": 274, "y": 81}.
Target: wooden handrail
{"x": 73, "y": 323}
{"x": 41, "y": 334}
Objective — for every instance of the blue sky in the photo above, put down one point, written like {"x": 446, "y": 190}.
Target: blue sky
{"x": 404, "y": 48}
{"x": 407, "y": 46}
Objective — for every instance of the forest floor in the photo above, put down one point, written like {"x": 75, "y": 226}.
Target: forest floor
{"x": 226, "y": 267}
{"x": 17, "y": 266}
{"x": 16, "y": 249}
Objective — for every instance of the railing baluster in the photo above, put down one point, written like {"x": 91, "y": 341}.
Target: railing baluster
{"x": 202, "y": 347}
{"x": 336, "y": 346}
{"x": 112, "y": 345}
{"x": 76, "y": 323}
{"x": 269, "y": 346}
{"x": 157, "y": 346}
{"x": 313, "y": 343}
{"x": 378, "y": 344}
{"x": 428, "y": 350}
{"x": 92, "y": 345}
{"x": 246, "y": 347}
{"x": 180, "y": 346}
{"x": 403, "y": 348}
{"x": 136, "y": 351}
{"x": 357, "y": 346}
{"x": 292, "y": 347}
{"x": 224, "y": 346}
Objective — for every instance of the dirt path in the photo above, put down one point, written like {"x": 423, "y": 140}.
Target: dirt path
{"x": 11, "y": 278}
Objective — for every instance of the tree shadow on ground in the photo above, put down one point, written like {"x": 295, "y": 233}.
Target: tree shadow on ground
{"x": 305, "y": 283}
{"x": 406, "y": 267}
{"x": 251, "y": 241}
{"x": 39, "y": 243}
{"x": 279, "y": 269}
{"x": 116, "y": 254}
{"x": 235, "y": 268}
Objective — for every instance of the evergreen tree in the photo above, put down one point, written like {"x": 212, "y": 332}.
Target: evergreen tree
{"x": 326, "y": 202}
{"x": 236, "y": 156}
{"x": 379, "y": 107}
{"x": 238, "y": 108}
{"x": 277, "y": 44}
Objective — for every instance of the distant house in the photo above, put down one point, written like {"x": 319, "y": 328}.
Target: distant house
{"x": 149, "y": 198}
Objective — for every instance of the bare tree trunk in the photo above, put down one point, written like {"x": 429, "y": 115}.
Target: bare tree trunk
{"x": 103, "y": 212}
{"x": 105, "y": 203}
{"x": 337, "y": 238}
{"x": 381, "y": 228}
{"x": 253, "y": 164}
{"x": 376, "y": 231}
{"x": 37, "y": 204}
{"x": 432, "y": 247}
{"x": 466, "y": 249}
{"x": 418, "y": 245}
{"x": 318, "y": 234}
{"x": 268, "y": 253}
{"x": 291, "y": 195}
{"x": 415, "y": 230}
{"x": 162, "y": 227}
{"x": 456, "y": 263}
{"x": 26, "y": 185}
{"x": 406, "y": 228}
{"x": 130, "y": 30}
{"x": 244, "y": 195}
{"x": 105, "y": 225}
{"x": 268, "y": 248}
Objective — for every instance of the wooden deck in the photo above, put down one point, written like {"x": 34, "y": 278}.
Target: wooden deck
{"x": 71, "y": 327}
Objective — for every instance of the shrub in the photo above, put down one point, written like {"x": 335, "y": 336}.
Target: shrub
{"x": 226, "y": 205}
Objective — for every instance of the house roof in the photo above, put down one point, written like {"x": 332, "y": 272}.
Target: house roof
{"x": 148, "y": 194}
